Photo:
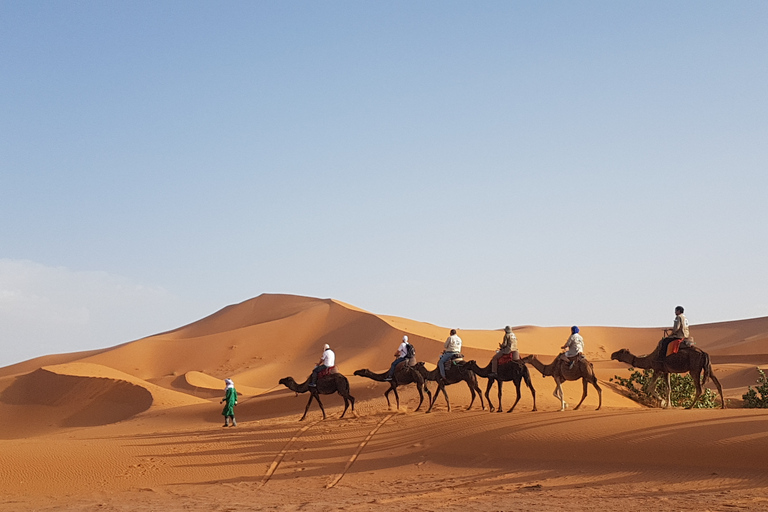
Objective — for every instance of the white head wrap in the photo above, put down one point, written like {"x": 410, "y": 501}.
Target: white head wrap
{"x": 405, "y": 339}
{"x": 326, "y": 347}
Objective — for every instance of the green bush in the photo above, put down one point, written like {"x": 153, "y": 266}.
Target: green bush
{"x": 757, "y": 398}
{"x": 683, "y": 390}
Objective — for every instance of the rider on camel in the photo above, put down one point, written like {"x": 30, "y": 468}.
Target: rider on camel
{"x": 507, "y": 346}
{"x": 451, "y": 348}
{"x": 327, "y": 360}
{"x": 679, "y": 332}
{"x": 575, "y": 346}
{"x": 400, "y": 356}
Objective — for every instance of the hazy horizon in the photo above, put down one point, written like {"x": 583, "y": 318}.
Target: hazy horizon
{"x": 467, "y": 165}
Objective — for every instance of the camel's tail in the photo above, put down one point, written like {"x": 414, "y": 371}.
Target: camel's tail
{"x": 707, "y": 368}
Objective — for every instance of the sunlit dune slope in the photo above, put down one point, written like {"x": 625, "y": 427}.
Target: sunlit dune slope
{"x": 261, "y": 340}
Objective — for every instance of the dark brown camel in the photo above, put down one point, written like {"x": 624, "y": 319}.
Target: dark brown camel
{"x": 510, "y": 371}
{"x": 403, "y": 375}
{"x": 456, "y": 373}
{"x": 688, "y": 360}
{"x": 328, "y": 385}
{"x": 558, "y": 369}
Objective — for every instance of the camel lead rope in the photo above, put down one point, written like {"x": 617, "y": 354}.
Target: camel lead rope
{"x": 359, "y": 449}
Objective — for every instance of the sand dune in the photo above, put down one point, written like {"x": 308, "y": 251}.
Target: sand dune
{"x": 138, "y": 425}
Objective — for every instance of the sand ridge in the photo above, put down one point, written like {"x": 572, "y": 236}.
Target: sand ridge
{"x": 139, "y": 423}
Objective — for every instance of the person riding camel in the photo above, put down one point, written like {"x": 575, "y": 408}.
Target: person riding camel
{"x": 679, "y": 332}
{"x": 507, "y": 346}
{"x": 327, "y": 360}
{"x": 451, "y": 348}
{"x": 574, "y": 346}
{"x": 400, "y": 356}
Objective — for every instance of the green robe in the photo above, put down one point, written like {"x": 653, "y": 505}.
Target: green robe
{"x": 230, "y": 398}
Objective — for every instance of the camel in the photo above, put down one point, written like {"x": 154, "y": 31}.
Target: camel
{"x": 332, "y": 383}
{"x": 403, "y": 375}
{"x": 688, "y": 360}
{"x": 516, "y": 372}
{"x": 558, "y": 369}
{"x": 456, "y": 373}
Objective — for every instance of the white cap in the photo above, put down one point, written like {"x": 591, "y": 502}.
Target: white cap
{"x": 405, "y": 339}
{"x": 326, "y": 347}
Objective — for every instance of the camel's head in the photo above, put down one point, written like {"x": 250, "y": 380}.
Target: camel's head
{"x": 286, "y": 381}
{"x": 620, "y": 355}
{"x": 360, "y": 373}
{"x": 528, "y": 358}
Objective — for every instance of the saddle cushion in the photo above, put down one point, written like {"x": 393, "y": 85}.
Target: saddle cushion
{"x": 506, "y": 358}
{"x": 674, "y": 347}
{"x": 456, "y": 359}
{"x": 326, "y": 372}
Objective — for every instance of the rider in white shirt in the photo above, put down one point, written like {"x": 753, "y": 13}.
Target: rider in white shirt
{"x": 401, "y": 355}
{"x": 327, "y": 360}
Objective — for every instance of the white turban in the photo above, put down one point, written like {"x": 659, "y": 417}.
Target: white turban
{"x": 326, "y": 347}
{"x": 405, "y": 339}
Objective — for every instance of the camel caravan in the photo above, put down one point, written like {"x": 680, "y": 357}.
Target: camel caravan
{"x": 675, "y": 353}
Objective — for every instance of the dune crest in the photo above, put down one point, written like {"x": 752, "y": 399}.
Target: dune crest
{"x": 141, "y": 422}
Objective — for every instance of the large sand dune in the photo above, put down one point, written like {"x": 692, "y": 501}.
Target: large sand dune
{"x": 138, "y": 425}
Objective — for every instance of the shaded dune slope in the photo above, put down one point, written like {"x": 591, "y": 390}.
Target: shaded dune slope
{"x": 261, "y": 340}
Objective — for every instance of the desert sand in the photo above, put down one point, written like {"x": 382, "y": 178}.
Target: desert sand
{"x": 138, "y": 426}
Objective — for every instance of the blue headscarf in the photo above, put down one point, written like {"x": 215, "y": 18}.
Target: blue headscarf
{"x": 574, "y": 330}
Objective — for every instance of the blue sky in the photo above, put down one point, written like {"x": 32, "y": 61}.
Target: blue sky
{"x": 468, "y": 164}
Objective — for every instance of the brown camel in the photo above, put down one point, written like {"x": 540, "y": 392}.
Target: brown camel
{"x": 559, "y": 370}
{"x": 456, "y": 373}
{"x": 404, "y": 374}
{"x": 332, "y": 383}
{"x": 510, "y": 371}
{"x": 688, "y": 360}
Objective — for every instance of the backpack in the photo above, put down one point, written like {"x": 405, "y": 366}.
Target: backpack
{"x": 410, "y": 352}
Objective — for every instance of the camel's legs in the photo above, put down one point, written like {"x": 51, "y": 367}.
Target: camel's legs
{"x": 346, "y": 405}
{"x": 650, "y": 387}
{"x": 421, "y": 395}
{"x": 599, "y": 395}
{"x": 386, "y": 395}
{"x": 500, "y": 383}
{"x": 479, "y": 393}
{"x": 397, "y": 397}
{"x": 719, "y": 388}
{"x": 488, "y": 397}
{"x": 517, "y": 388}
{"x": 559, "y": 394}
{"x": 472, "y": 392}
{"x": 533, "y": 391}
{"x": 583, "y": 394}
{"x": 440, "y": 388}
{"x": 669, "y": 390}
{"x": 312, "y": 396}
{"x": 428, "y": 392}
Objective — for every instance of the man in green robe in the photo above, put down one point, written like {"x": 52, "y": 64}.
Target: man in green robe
{"x": 230, "y": 401}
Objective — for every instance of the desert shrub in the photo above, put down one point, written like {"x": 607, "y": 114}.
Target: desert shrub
{"x": 757, "y": 397}
{"x": 683, "y": 390}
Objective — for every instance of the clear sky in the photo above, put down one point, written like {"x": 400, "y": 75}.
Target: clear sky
{"x": 467, "y": 164}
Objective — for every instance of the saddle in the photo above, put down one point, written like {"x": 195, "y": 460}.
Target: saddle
{"x": 326, "y": 372}
{"x": 675, "y": 346}
{"x": 506, "y": 358}
{"x": 456, "y": 359}
{"x": 406, "y": 364}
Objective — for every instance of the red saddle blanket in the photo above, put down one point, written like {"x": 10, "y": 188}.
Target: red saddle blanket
{"x": 326, "y": 372}
{"x": 506, "y": 358}
{"x": 674, "y": 346}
